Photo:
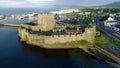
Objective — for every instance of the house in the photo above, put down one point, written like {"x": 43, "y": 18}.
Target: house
{"x": 65, "y": 11}
{"x": 110, "y": 22}
{"x": 57, "y": 30}
{"x": 117, "y": 17}
{"x": 86, "y": 14}
{"x": 116, "y": 28}
{"x": 2, "y": 17}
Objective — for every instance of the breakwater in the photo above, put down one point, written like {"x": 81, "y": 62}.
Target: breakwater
{"x": 15, "y": 25}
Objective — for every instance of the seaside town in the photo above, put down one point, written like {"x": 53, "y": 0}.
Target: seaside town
{"x": 95, "y": 30}
{"x": 18, "y": 16}
{"x": 68, "y": 36}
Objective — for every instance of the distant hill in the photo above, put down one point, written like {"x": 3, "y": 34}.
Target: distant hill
{"x": 115, "y": 4}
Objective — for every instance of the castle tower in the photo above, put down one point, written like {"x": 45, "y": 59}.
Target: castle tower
{"x": 90, "y": 33}
{"x": 46, "y": 21}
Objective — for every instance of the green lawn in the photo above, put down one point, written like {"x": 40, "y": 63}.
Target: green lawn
{"x": 115, "y": 42}
{"x": 101, "y": 39}
{"x": 81, "y": 42}
{"x": 49, "y": 32}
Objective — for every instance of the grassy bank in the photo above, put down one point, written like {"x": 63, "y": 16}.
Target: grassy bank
{"x": 115, "y": 42}
{"x": 108, "y": 54}
{"x": 81, "y": 42}
{"x": 74, "y": 44}
{"x": 100, "y": 40}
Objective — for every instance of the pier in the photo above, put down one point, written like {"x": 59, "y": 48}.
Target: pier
{"x": 15, "y": 25}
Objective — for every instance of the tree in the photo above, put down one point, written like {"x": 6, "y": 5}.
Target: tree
{"x": 49, "y": 32}
{"x": 73, "y": 22}
{"x": 85, "y": 22}
{"x": 103, "y": 18}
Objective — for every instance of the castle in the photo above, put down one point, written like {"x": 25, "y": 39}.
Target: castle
{"x": 45, "y": 23}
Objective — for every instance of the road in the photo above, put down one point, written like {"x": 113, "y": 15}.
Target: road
{"x": 109, "y": 33}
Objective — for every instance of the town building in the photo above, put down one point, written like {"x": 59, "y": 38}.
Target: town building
{"x": 110, "y": 22}
{"x": 65, "y": 11}
{"x": 116, "y": 28}
{"x": 85, "y": 14}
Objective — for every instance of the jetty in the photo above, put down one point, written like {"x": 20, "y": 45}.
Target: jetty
{"x": 15, "y": 25}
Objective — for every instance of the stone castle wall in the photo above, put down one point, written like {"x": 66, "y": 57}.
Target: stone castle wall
{"x": 88, "y": 35}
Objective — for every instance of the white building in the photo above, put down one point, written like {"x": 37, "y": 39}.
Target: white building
{"x": 65, "y": 11}
{"x": 116, "y": 28}
{"x": 56, "y": 30}
{"x": 2, "y": 17}
{"x": 112, "y": 15}
{"x": 110, "y": 22}
{"x": 31, "y": 15}
{"x": 85, "y": 13}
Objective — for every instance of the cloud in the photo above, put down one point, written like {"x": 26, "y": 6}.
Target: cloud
{"x": 14, "y": 3}
{"x": 39, "y": 3}
{"x": 24, "y": 3}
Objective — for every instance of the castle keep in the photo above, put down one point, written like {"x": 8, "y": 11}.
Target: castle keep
{"x": 46, "y": 21}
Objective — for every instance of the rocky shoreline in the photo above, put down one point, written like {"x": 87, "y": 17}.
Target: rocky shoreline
{"x": 94, "y": 52}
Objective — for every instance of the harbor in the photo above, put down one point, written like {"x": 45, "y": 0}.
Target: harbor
{"x": 18, "y": 17}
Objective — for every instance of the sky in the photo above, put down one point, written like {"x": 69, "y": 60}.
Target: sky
{"x": 40, "y": 3}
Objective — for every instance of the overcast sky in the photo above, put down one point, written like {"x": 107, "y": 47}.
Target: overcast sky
{"x": 40, "y": 3}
